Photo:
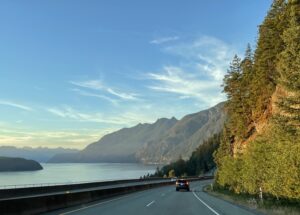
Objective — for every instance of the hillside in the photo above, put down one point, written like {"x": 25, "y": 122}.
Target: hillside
{"x": 161, "y": 142}
{"x": 260, "y": 147}
{"x": 184, "y": 137}
{"x": 18, "y": 164}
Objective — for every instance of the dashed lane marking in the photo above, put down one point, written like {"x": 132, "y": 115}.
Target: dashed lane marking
{"x": 150, "y": 203}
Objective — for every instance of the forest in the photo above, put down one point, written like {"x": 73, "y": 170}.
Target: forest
{"x": 260, "y": 143}
{"x": 259, "y": 147}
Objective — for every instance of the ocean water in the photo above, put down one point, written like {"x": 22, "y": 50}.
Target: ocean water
{"x": 73, "y": 173}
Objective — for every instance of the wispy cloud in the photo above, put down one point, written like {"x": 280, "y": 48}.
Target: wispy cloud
{"x": 122, "y": 119}
{"x": 164, "y": 40}
{"x": 98, "y": 85}
{"x": 15, "y": 105}
{"x": 209, "y": 55}
{"x": 199, "y": 74}
{"x": 91, "y": 84}
{"x": 125, "y": 96}
{"x": 186, "y": 85}
{"x": 85, "y": 93}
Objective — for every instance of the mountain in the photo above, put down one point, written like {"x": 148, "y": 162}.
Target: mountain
{"x": 18, "y": 164}
{"x": 161, "y": 142}
{"x": 119, "y": 146}
{"x": 40, "y": 154}
{"x": 184, "y": 137}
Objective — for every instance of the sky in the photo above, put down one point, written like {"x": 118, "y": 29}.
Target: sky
{"x": 72, "y": 71}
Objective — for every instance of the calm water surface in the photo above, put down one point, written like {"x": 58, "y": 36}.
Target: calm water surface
{"x": 76, "y": 172}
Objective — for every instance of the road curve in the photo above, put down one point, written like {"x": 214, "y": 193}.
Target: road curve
{"x": 162, "y": 201}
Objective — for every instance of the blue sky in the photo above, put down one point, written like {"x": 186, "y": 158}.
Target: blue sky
{"x": 73, "y": 70}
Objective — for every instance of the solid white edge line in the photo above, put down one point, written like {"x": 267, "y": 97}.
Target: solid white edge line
{"x": 150, "y": 203}
{"x": 215, "y": 212}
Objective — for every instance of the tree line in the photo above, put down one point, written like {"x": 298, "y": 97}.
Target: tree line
{"x": 259, "y": 147}
{"x": 260, "y": 144}
{"x": 200, "y": 162}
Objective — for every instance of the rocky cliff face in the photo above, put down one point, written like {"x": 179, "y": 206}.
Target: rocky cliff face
{"x": 161, "y": 142}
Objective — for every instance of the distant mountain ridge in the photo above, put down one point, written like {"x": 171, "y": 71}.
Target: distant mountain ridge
{"x": 40, "y": 154}
{"x": 184, "y": 137}
{"x": 161, "y": 142}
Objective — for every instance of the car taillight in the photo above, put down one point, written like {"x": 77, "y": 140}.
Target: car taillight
{"x": 187, "y": 183}
{"x": 177, "y": 183}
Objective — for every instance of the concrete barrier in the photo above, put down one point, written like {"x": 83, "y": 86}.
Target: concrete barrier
{"x": 44, "y": 203}
{"x": 40, "y": 203}
{"x": 15, "y": 192}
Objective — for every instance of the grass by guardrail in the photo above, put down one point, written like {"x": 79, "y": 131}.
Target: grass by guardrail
{"x": 269, "y": 205}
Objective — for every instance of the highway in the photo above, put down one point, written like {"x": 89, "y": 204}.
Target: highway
{"x": 162, "y": 201}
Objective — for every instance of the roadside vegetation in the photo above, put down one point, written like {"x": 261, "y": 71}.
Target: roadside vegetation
{"x": 200, "y": 162}
{"x": 259, "y": 153}
{"x": 251, "y": 202}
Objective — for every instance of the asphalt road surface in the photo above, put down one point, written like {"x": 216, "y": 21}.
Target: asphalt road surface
{"x": 161, "y": 201}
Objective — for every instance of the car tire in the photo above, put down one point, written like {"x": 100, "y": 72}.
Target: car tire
{"x": 177, "y": 189}
{"x": 188, "y": 189}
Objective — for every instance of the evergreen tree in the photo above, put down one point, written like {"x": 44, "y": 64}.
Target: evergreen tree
{"x": 271, "y": 159}
{"x": 232, "y": 87}
{"x": 247, "y": 94}
{"x": 289, "y": 70}
{"x": 269, "y": 45}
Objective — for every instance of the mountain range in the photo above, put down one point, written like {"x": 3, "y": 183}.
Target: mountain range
{"x": 40, "y": 154}
{"x": 163, "y": 141}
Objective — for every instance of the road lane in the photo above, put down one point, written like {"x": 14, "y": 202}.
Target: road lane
{"x": 163, "y": 200}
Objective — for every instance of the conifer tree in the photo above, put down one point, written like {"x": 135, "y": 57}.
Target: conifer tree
{"x": 269, "y": 44}
{"x": 289, "y": 70}
{"x": 247, "y": 94}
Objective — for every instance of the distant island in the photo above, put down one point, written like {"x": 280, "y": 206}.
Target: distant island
{"x": 8, "y": 164}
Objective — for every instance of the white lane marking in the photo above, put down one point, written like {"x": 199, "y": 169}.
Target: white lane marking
{"x": 150, "y": 203}
{"x": 90, "y": 206}
{"x": 215, "y": 212}
{"x": 100, "y": 203}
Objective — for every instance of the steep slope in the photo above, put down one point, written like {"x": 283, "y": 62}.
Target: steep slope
{"x": 184, "y": 137}
{"x": 120, "y": 146}
{"x": 160, "y": 142}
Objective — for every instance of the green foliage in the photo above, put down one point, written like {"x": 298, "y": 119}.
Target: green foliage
{"x": 271, "y": 159}
{"x": 171, "y": 173}
{"x": 201, "y": 160}
{"x": 271, "y": 162}
{"x": 289, "y": 69}
{"x": 269, "y": 44}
